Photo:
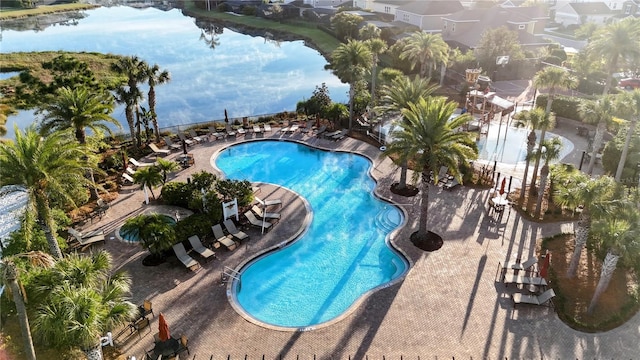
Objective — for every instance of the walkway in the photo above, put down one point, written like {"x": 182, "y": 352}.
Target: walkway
{"x": 449, "y": 304}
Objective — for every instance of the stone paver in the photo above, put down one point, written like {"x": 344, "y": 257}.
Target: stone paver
{"x": 449, "y": 304}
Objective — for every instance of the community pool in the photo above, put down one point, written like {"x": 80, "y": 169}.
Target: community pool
{"x": 343, "y": 254}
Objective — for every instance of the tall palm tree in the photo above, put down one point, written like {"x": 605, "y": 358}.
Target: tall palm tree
{"x": 9, "y": 274}
{"x": 533, "y": 119}
{"x": 129, "y": 94}
{"x": 619, "y": 235}
{"x": 549, "y": 151}
{"x": 627, "y": 106}
{"x": 81, "y": 300}
{"x": 592, "y": 197}
{"x": 426, "y": 49}
{"x": 47, "y": 167}
{"x": 397, "y": 96}
{"x": 431, "y": 140}
{"x": 617, "y": 43}
{"x": 349, "y": 62}
{"x": 149, "y": 176}
{"x": 598, "y": 112}
{"x": 369, "y": 31}
{"x": 377, "y": 47}
{"x": 155, "y": 77}
{"x": 554, "y": 79}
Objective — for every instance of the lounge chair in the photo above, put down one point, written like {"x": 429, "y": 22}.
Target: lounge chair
{"x": 267, "y": 128}
{"x": 253, "y": 220}
{"x": 195, "y": 136}
{"x": 340, "y": 135}
{"x": 442, "y": 174}
{"x": 241, "y": 131}
{"x": 158, "y": 151}
{"x": 231, "y": 228}
{"x": 101, "y": 207}
{"x": 293, "y": 128}
{"x": 130, "y": 171}
{"x": 329, "y": 135}
{"x": 197, "y": 246}
{"x": 264, "y": 215}
{"x": 307, "y": 128}
{"x": 83, "y": 241}
{"x": 230, "y": 131}
{"x": 451, "y": 184}
{"x": 526, "y": 266}
{"x": 256, "y": 129}
{"x": 271, "y": 202}
{"x": 128, "y": 178}
{"x": 138, "y": 164}
{"x": 544, "y": 299}
{"x": 214, "y": 132}
{"x": 171, "y": 144}
{"x": 184, "y": 258}
{"x": 525, "y": 280}
{"x": 321, "y": 130}
{"x": 221, "y": 238}
{"x": 185, "y": 140}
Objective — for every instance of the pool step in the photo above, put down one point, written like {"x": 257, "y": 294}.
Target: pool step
{"x": 387, "y": 219}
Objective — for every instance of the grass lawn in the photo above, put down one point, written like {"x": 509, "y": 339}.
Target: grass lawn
{"x": 7, "y": 13}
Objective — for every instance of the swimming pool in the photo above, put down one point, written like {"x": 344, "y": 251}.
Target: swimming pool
{"x": 343, "y": 254}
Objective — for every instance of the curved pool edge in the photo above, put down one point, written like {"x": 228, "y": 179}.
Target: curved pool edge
{"x": 389, "y": 240}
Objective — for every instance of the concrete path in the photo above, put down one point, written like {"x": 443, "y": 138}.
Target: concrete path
{"x": 449, "y": 305}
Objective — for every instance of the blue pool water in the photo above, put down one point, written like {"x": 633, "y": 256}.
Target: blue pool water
{"x": 133, "y": 236}
{"x": 341, "y": 256}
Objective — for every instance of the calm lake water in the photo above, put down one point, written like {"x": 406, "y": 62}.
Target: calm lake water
{"x": 244, "y": 74}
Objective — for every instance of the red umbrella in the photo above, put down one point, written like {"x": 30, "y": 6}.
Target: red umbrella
{"x": 163, "y": 328}
{"x": 504, "y": 182}
{"x": 544, "y": 268}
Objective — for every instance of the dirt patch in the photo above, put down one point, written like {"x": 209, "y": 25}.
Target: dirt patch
{"x": 615, "y": 307}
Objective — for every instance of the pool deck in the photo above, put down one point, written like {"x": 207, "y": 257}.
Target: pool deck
{"x": 449, "y": 305}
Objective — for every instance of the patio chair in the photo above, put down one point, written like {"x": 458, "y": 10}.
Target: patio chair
{"x": 140, "y": 325}
{"x": 230, "y": 131}
{"x": 128, "y": 177}
{"x": 256, "y": 129}
{"x": 264, "y": 215}
{"x": 241, "y": 131}
{"x": 83, "y": 241}
{"x": 329, "y": 135}
{"x": 146, "y": 308}
{"x": 451, "y": 184}
{"x": 130, "y": 171}
{"x": 307, "y": 128}
{"x": 544, "y": 299}
{"x": 195, "y": 136}
{"x": 184, "y": 345}
{"x": 253, "y": 220}
{"x": 185, "y": 140}
{"x": 293, "y": 128}
{"x": 214, "y": 132}
{"x": 185, "y": 259}
{"x": 526, "y": 266}
{"x": 138, "y": 164}
{"x": 221, "y": 238}
{"x": 231, "y": 228}
{"x": 157, "y": 151}
{"x": 321, "y": 130}
{"x": 197, "y": 246}
{"x": 271, "y": 202}
{"x": 267, "y": 128}
{"x": 170, "y": 144}
{"x": 340, "y": 135}
{"x": 101, "y": 207}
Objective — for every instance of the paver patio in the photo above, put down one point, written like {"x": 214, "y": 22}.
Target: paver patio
{"x": 448, "y": 305}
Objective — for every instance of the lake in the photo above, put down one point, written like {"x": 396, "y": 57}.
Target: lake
{"x": 247, "y": 75}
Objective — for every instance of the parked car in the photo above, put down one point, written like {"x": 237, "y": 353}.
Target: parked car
{"x": 629, "y": 84}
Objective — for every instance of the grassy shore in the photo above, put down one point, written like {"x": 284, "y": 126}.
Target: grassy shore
{"x": 6, "y": 14}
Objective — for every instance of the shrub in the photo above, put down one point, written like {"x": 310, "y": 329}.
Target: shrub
{"x": 563, "y": 106}
{"x": 177, "y": 193}
{"x": 230, "y": 189}
{"x": 197, "y": 224}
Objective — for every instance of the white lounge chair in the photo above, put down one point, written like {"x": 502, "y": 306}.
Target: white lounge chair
{"x": 195, "y": 136}
{"x": 544, "y": 299}
{"x": 253, "y": 220}
{"x": 197, "y": 246}
{"x": 264, "y": 215}
{"x": 185, "y": 140}
{"x": 83, "y": 241}
{"x": 138, "y": 164}
{"x": 128, "y": 177}
{"x": 271, "y": 202}
{"x": 293, "y": 128}
{"x": 241, "y": 131}
{"x": 185, "y": 259}
{"x": 130, "y": 171}
{"x": 256, "y": 129}
{"x": 230, "y": 131}
{"x": 267, "y": 128}
{"x": 221, "y": 238}
{"x": 158, "y": 151}
{"x": 231, "y": 228}
{"x": 451, "y": 184}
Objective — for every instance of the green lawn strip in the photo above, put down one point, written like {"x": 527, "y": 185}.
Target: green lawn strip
{"x": 323, "y": 42}
{"x": 6, "y": 14}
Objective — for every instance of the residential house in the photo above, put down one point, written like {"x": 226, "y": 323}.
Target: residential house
{"x": 324, "y": 3}
{"x": 387, "y": 7}
{"x": 579, "y": 13}
{"x": 427, "y": 15}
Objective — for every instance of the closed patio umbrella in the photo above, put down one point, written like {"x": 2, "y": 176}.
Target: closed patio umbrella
{"x": 504, "y": 182}
{"x": 163, "y": 328}
{"x": 226, "y": 117}
{"x": 544, "y": 268}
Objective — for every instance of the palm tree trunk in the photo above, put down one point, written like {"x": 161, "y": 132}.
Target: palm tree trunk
{"x": 424, "y": 205}
{"x": 625, "y": 150}
{"x": 582, "y": 234}
{"x": 351, "y": 94}
{"x": 94, "y": 353}
{"x": 152, "y": 110}
{"x": 608, "y": 267}
{"x": 544, "y": 175}
{"x": 597, "y": 141}
{"x": 47, "y": 225}
{"x": 531, "y": 142}
{"x": 403, "y": 174}
{"x": 21, "y": 310}
{"x": 534, "y": 177}
{"x": 374, "y": 72}
{"x": 130, "y": 121}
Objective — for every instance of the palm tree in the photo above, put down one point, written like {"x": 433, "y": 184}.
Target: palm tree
{"x": 47, "y": 167}
{"x": 533, "y": 119}
{"x": 79, "y": 109}
{"x": 627, "y": 105}
{"x": 81, "y": 299}
{"x": 129, "y": 94}
{"x": 9, "y": 275}
{"x": 550, "y": 151}
{"x": 431, "y": 140}
{"x": 397, "y": 96}
{"x": 619, "y": 235}
{"x": 591, "y": 197}
{"x": 377, "y": 47}
{"x": 426, "y": 49}
{"x": 349, "y": 62}
{"x": 155, "y": 77}
{"x": 600, "y": 112}
{"x": 166, "y": 166}
{"x": 616, "y": 43}
{"x": 554, "y": 79}
{"x": 149, "y": 176}
{"x": 369, "y": 32}
{"x": 156, "y": 232}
